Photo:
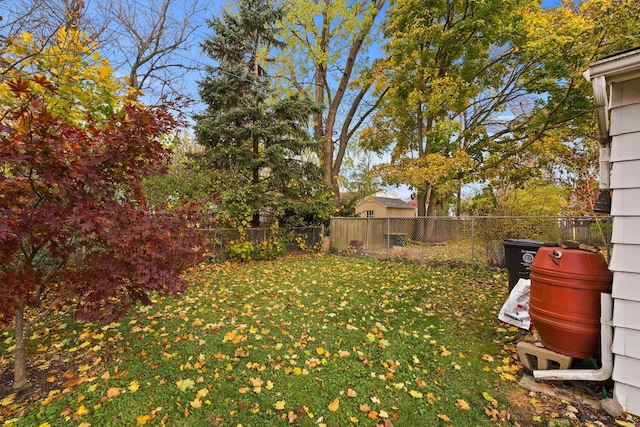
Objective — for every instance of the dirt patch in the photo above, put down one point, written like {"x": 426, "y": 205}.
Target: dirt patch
{"x": 569, "y": 403}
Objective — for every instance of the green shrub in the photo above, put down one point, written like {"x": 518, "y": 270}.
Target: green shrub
{"x": 240, "y": 249}
{"x": 271, "y": 248}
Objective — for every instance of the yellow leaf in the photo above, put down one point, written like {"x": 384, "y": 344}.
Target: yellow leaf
{"x": 354, "y": 420}
{"x": 134, "y": 386}
{"x": 256, "y": 382}
{"x": 202, "y": 392}
{"x": 507, "y": 377}
{"x": 45, "y": 425}
{"x": 351, "y": 393}
{"x": 280, "y": 404}
{"x": 334, "y": 405}
{"x": 113, "y": 392}
{"x": 142, "y": 419}
{"x": 183, "y": 385}
{"x": 488, "y": 397}
{"x": 27, "y": 38}
{"x": 82, "y": 410}
{"x": 269, "y": 385}
{"x": 487, "y": 358}
{"x": 416, "y": 394}
{"x": 444, "y": 418}
{"x": 84, "y": 424}
{"x": 625, "y": 423}
{"x": 320, "y": 351}
{"x": 462, "y": 404}
{"x": 196, "y": 403}
{"x": 8, "y": 400}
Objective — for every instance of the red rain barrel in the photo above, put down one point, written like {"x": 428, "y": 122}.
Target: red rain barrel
{"x": 565, "y": 299}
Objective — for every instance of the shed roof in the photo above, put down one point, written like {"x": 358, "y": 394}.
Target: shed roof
{"x": 389, "y": 202}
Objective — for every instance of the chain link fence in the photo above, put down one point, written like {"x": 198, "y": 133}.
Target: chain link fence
{"x": 225, "y": 244}
{"x": 462, "y": 240}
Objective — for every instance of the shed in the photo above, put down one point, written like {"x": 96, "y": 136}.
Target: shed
{"x": 619, "y": 124}
{"x": 384, "y": 207}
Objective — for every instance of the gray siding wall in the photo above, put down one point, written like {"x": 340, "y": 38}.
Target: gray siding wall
{"x": 625, "y": 260}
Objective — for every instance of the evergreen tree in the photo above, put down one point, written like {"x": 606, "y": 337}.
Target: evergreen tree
{"x": 253, "y": 138}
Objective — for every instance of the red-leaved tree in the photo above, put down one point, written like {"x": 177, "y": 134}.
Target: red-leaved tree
{"x": 75, "y": 229}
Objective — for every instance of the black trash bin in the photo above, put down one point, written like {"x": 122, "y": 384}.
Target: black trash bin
{"x": 518, "y": 256}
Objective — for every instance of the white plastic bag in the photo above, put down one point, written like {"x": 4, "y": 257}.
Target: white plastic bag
{"x": 515, "y": 310}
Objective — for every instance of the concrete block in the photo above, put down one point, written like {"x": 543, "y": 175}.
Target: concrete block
{"x": 535, "y": 358}
{"x": 612, "y": 407}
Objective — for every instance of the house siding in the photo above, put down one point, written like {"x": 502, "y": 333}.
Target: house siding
{"x": 379, "y": 211}
{"x": 625, "y": 259}
{"x": 382, "y": 211}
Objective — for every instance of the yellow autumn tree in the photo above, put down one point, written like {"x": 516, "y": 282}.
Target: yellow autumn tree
{"x": 475, "y": 85}
{"x": 65, "y": 71}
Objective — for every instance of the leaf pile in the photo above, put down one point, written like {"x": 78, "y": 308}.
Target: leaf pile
{"x": 319, "y": 340}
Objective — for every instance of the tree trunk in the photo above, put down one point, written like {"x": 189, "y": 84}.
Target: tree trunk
{"x": 420, "y": 230}
{"x": 255, "y": 179}
{"x": 20, "y": 365}
{"x": 430, "y": 228}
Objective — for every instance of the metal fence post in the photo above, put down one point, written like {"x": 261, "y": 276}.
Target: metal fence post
{"x": 473, "y": 258}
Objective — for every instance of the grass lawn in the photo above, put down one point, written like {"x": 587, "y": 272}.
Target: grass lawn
{"x": 305, "y": 341}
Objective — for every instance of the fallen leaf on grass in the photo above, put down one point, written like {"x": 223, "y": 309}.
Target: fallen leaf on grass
{"x": 444, "y": 418}
{"x": 416, "y": 394}
{"x": 493, "y": 414}
{"x": 143, "y": 419}
{"x": 113, "y": 392}
{"x": 334, "y": 405}
{"x": 184, "y": 385}
{"x": 82, "y": 410}
{"x": 462, "y": 404}
{"x": 489, "y": 398}
{"x": 507, "y": 377}
{"x": 280, "y": 404}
